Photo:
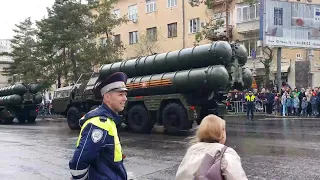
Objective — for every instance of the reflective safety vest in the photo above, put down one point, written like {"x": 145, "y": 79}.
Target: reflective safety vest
{"x": 250, "y": 98}
{"x": 98, "y": 153}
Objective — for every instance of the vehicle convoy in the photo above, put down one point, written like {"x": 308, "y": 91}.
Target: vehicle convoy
{"x": 19, "y": 101}
{"x": 172, "y": 89}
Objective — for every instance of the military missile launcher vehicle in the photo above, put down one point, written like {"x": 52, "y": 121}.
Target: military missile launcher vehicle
{"x": 172, "y": 89}
{"x": 19, "y": 101}
{"x": 217, "y": 53}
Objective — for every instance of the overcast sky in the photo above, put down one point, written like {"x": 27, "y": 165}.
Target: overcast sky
{"x": 14, "y": 11}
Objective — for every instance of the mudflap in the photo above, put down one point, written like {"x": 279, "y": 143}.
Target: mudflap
{"x": 33, "y": 112}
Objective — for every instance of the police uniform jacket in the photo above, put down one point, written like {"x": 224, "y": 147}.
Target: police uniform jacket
{"x": 250, "y": 99}
{"x": 98, "y": 153}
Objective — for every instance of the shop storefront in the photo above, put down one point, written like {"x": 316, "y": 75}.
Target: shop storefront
{"x": 259, "y": 72}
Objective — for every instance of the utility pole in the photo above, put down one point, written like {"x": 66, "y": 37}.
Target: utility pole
{"x": 227, "y": 19}
{"x": 279, "y": 82}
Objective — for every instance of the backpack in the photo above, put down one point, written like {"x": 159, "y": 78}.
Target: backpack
{"x": 210, "y": 167}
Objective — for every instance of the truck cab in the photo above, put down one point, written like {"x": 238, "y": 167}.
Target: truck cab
{"x": 76, "y": 100}
{"x": 61, "y": 100}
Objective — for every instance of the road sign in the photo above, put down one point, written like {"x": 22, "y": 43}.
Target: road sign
{"x": 289, "y": 24}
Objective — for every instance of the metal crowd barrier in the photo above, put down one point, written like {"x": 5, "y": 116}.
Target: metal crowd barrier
{"x": 240, "y": 107}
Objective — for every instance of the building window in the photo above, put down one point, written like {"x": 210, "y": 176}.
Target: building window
{"x": 103, "y": 41}
{"x": 133, "y": 37}
{"x": 194, "y": 25}
{"x": 250, "y": 45}
{"x": 171, "y": 3}
{"x": 150, "y": 6}
{"x": 222, "y": 16}
{"x": 117, "y": 39}
{"x": 248, "y": 13}
{"x": 152, "y": 34}
{"x": 117, "y": 13}
{"x": 89, "y": 1}
{"x": 298, "y": 56}
{"x": 311, "y": 52}
{"x": 133, "y": 12}
{"x": 172, "y": 30}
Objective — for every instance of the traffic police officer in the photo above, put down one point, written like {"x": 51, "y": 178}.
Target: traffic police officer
{"x": 250, "y": 99}
{"x": 98, "y": 153}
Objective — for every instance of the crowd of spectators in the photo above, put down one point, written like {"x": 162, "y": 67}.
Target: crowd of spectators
{"x": 286, "y": 102}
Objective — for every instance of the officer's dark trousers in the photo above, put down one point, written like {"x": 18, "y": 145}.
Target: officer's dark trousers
{"x": 318, "y": 106}
{"x": 250, "y": 108}
{"x": 269, "y": 108}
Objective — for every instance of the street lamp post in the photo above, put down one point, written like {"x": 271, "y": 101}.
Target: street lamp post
{"x": 254, "y": 55}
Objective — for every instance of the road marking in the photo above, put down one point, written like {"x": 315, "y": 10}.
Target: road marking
{"x": 130, "y": 175}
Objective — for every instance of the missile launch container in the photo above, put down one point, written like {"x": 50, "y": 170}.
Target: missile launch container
{"x": 173, "y": 89}
{"x": 19, "y": 101}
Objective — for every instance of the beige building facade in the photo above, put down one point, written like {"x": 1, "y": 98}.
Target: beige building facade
{"x": 172, "y": 24}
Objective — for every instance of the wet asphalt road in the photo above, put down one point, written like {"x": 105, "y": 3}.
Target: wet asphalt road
{"x": 270, "y": 148}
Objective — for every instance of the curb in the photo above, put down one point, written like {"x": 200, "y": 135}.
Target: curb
{"x": 270, "y": 116}
{"x": 48, "y": 116}
{"x": 51, "y": 118}
{"x": 243, "y": 114}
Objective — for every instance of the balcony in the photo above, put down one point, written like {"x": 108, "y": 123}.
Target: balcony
{"x": 219, "y": 2}
{"x": 6, "y": 60}
{"x": 248, "y": 26}
{"x": 219, "y": 34}
{"x": 248, "y": 18}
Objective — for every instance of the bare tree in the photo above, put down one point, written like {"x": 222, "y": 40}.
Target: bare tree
{"x": 148, "y": 43}
{"x": 216, "y": 27}
{"x": 268, "y": 55}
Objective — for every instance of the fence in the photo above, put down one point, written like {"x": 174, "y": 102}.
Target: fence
{"x": 240, "y": 107}
{"x": 43, "y": 110}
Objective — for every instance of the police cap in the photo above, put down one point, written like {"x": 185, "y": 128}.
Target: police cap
{"x": 115, "y": 82}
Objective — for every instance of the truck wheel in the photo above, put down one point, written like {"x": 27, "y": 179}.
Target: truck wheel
{"x": 73, "y": 117}
{"x": 138, "y": 119}
{"x": 31, "y": 119}
{"x": 175, "y": 118}
{"x": 7, "y": 120}
{"x": 6, "y": 117}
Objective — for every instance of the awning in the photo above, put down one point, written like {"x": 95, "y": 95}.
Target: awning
{"x": 260, "y": 69}
{"x": 259, "y": 72}
{"x": 284, "y": 68}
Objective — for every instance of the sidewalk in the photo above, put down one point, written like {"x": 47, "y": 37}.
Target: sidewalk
{"x": 264, "y": 115}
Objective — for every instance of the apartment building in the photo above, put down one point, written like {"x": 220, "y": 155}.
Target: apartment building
{"x": 247, "y": 31}
{"x": 172, "y": 24}
{"x": 5, "y": 61}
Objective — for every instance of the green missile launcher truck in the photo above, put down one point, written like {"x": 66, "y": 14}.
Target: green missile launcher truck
{"x": 19, "y": 101}
{"x": 173, "y": 89}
